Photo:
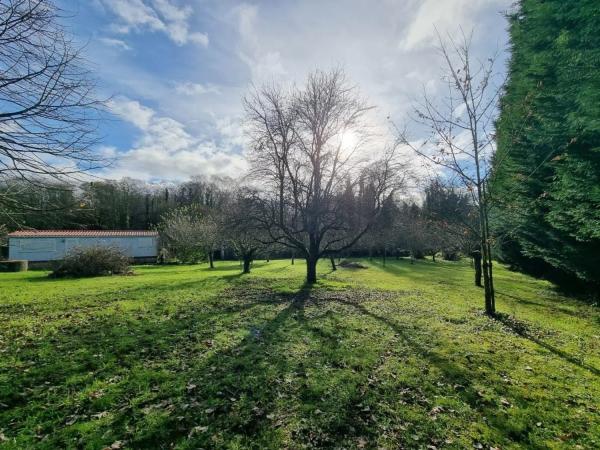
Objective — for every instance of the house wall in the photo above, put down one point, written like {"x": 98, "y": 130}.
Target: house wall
{"x": 53, "y": 248}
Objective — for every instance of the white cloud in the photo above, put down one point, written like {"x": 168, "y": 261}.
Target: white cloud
{"x": 446, "y": 16}
{"x": 108, "y": 152}
{"x": 157, "y": 16}
{"x": 189, "y": 88}
{"x": 166, "y": 150}
{"x": 199, "y": 38}
{"x": 117, "y": 43}
{"x": 132, "y": 111}
{"x": 263, "y": 63}
{"x": 134, "y": 14}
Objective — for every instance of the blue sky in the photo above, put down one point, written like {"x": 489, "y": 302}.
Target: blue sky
{"x": 176, "y": 70}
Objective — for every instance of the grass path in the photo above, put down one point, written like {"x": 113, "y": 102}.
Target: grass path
{"x": 395, "y": 356}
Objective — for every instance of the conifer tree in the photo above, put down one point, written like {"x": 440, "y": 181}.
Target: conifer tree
{"x": 546, "y": 183}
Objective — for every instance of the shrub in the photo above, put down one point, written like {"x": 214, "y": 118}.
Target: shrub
{"x": 352, "y": 265}
{"x": 450, "y": 254}
{"x": 92, "y": 261}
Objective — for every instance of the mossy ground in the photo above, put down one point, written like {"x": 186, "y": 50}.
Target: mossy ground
{"x": 394, "y": 356}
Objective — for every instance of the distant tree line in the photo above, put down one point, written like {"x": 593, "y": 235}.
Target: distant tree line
{"x": 125, "y": 204}
{"x": 440, "y": 223}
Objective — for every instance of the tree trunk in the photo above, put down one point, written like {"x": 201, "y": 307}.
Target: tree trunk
{"x": 312, "y": 257}
{"x": 488, "y": 280}
{"x": 433, "y": 256}
{"x": 311, "y": 269}
{"x": 492, "y": 291}
{"x": 293, "y": 257}
{"x": 333, "y": 266}
{"x": 489, "y": 252}
{"x": 247, "y": 261}
{"x": 210, "y": 260}
{"x": 477, "y": 264}
{"x": 489, "y": 303}
{"x": 384, "y": 255}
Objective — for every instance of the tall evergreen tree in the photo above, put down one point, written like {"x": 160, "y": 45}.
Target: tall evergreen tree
{"x": 546, "y": 185}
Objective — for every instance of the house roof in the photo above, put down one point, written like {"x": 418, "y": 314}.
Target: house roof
{"x": 83, "y": 233}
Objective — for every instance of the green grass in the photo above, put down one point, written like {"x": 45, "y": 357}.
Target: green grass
{"x": 388, "y": 357}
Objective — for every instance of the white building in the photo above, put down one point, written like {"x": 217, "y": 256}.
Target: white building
{"x": 50, "y": 245}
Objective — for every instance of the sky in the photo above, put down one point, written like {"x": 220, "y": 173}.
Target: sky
{"x": 176, "y": 71}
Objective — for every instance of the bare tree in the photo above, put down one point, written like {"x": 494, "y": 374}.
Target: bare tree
{"x": 384, "y": 232}
{"x": 451, "y": 219}
{"x": 3, "y": 239}
{"x": 306, "y": 154}
{"x": 461, "y": 129}
{"x": 413, "y": 232}
{"x": 49, "y": 113}
{"x": 191, "y": 233}
{"x": 242, "y": 227}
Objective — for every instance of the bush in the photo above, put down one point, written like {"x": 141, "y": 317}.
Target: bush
{"x": 450, "y": 254}
{"x": 352, "y": 265}
{"x": 92, "y": 261}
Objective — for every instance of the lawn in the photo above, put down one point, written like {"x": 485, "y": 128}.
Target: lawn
{"x": 395, "y": 356}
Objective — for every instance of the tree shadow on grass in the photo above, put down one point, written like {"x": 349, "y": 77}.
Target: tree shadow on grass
{"x": 429, "y": 271}
{"x": 142, "y": 351}
{"x": 257, "y": 369}
{"x": 543, "y": 305}
{"x": 521, "y": 328}
{"x": 171, "y": 384}
{"x": 236, "y": 371}
{"x": 406, "y": 332}
{"x": 455, "y": 375}
{"x": 236, "y": 389}
{"x": 103, "y": 296}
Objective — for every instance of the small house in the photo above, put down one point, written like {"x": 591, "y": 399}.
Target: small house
{"x": 51, "y": 245}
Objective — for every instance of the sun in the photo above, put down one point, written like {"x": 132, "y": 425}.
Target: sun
{"x": 350, "y": 140}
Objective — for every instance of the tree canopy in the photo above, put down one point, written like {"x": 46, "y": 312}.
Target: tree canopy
{"x": 546, "y": 183}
